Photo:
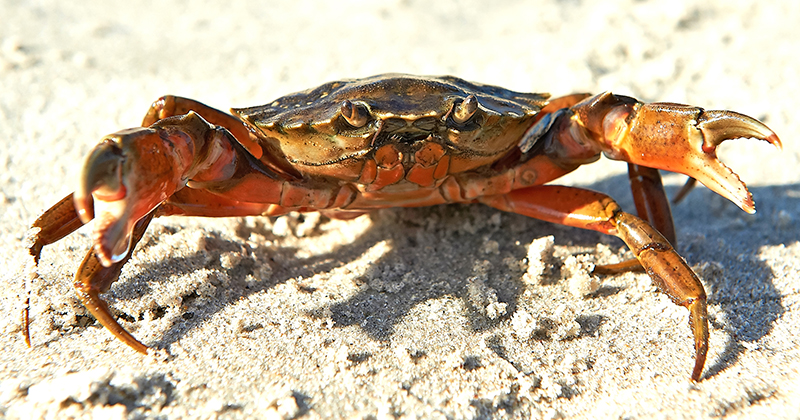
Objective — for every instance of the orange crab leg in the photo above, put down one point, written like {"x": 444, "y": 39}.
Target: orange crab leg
{"x": 194, "y": 202}
{"x": 651, "y": 201}
{"x": 56, "y": 223}
{"x": 93, "y": 278}
{"x": 652, "y": 205}
{"x": 169, "y": 106}
{"x": 681, "y": 194}
{"x": 592, "y": 210}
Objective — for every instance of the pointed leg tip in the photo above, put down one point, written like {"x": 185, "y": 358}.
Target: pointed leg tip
{"x": 26, "y": 330}
{"x": 699, "y": 364}
{"x": 139, "y": 347}
{"x": 701, "y": 350}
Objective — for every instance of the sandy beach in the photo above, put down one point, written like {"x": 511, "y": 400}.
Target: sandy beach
{"x": 453, "y": 312}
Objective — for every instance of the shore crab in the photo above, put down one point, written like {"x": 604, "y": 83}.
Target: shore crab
{"x": 348, "y": 147}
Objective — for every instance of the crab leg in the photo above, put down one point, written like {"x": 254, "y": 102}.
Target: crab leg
{"x": 170, "y": 106}
{"x": 595, "y": 211}
{"x": 56, "y": 223}
{"x": 93, "y": 278}
{"x": 652, "y": 205}
{"x": 650, "y": 200}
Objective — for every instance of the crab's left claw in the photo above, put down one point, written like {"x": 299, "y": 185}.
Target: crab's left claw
{"x": 673, "y": 137}
{"x": 718, "y": 126}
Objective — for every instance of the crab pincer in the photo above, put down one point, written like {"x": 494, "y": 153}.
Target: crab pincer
{"x": 673, "y": 137}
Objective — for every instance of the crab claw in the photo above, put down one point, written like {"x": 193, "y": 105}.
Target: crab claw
{"x": 102, "y": 177}
{"x": 673, "y": 137}
{"x": 125, "y": 177}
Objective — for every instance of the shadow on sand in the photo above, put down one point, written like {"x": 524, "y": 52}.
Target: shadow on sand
{"x": 710, "y": 229}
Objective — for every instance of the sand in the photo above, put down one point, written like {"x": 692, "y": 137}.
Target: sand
{"x": 445, "y": 312}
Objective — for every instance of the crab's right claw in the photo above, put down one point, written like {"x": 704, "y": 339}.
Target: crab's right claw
{"x": 103, "y": 192}
{"x": 672, "y": 137}
{"x": 124, "y": 178}
{"x": 101, "y": 175}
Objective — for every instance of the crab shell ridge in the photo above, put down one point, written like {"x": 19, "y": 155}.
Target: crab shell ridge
{"x": 313, "y": 131}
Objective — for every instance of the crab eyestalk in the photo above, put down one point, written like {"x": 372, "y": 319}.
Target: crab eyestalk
{"x": 465, "y": 109}
{"x": 673, "y": 137}
{"x": 355, "y": 115}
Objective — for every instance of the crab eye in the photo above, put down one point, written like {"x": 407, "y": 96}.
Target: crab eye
{"x": 355, "y": 115}
{"x": 465, "y": 109}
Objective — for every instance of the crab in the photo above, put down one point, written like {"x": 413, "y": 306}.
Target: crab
{"x": 352, "y": 146}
